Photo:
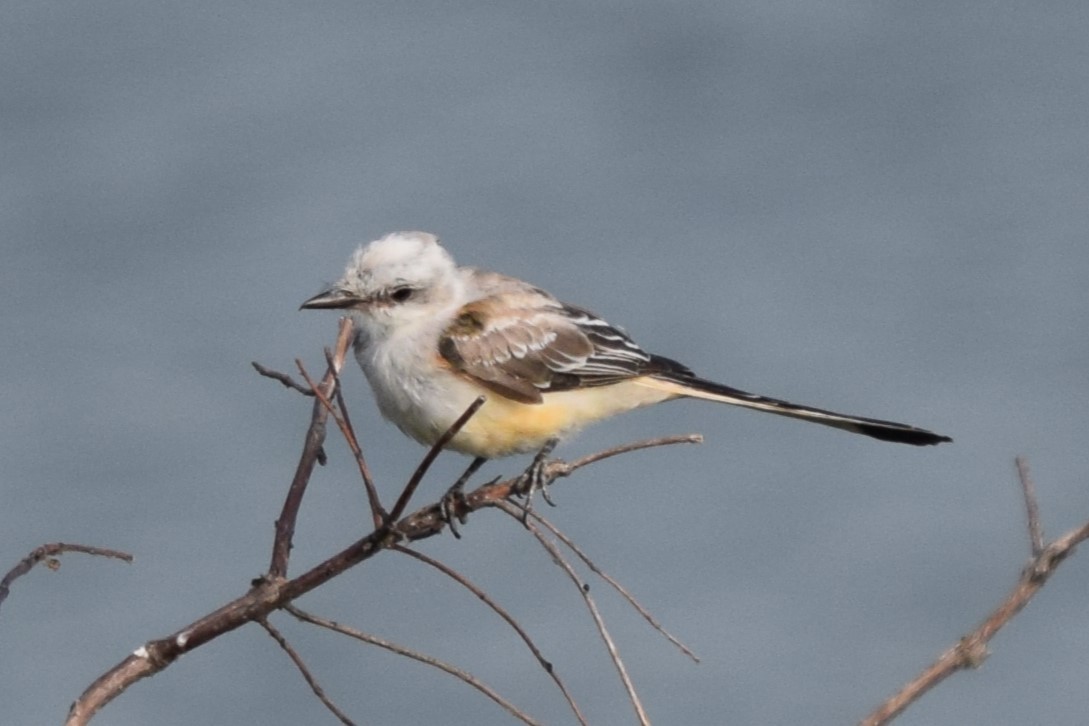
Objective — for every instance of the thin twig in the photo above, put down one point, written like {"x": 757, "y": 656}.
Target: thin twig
{"x": 378, "y": 514}
{"x": 283, "y": 378}
{"x": 429, "y": 458}
{"x": 311, "y": 453}
{"x": 614, "y": 584}
{"x": 305, "y": 671}
{"x": 560, "y": 469}
{"x": 971, "y": 650}
{"x": 1036, "y": 531}
{"x": 364, "y": 470}
{"x": 518, "y": 514}
{"x": 462, "y": 675}
{"x": 48, "y": 552}
{"x": 501, "y": 612}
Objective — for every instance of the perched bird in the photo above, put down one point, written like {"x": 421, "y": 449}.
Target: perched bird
{"x": 433, "y": 336}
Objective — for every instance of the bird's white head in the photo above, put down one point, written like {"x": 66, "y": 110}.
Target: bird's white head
{"x": 395, "y": 282}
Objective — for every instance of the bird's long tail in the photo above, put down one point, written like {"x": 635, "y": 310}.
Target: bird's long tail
{"x": 681, "y": 384}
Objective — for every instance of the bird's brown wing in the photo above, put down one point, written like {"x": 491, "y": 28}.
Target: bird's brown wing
{"x": 520, "y": 342}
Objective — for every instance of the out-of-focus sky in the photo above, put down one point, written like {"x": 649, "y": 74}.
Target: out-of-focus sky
{"x": 878, "y": 208}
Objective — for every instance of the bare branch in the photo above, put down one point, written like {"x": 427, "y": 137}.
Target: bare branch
{"x": 283, "y": 378}
{"x": 430, "y": 521}
{"x": 48, "y": 552}
{"x": 312, "y": 451}
{"x": 614, "y": 584}
{"x": 274, "y": 592}
{"x": 378, "y": 513}
{"x": 584, "y": 590}
{"x": 971, "y": 650}
{"x": 306, "y": 674}
{"x": 487, "y": 600}
{"x": 566, "y": 468}
{"x": 464, "y": 676}
{"x": 1032, "y": 510}
{"x": 364, "y": 471}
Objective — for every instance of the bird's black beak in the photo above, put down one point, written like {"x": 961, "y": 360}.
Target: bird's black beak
{"x": 333, "y": 299}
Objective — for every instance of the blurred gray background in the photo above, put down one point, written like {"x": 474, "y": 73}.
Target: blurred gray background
{"x": 879, "y": 208}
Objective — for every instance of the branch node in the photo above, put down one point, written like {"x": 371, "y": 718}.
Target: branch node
{"x": 972, "y": 652}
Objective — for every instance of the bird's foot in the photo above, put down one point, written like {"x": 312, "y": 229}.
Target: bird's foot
{"x": 536, "y": 478}
{"x": 452, "y": 506}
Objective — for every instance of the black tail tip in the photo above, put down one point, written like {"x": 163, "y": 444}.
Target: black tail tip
{"x": 905, "y": 435}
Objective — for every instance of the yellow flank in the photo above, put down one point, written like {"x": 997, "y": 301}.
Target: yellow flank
{"x": 503, "y": 426}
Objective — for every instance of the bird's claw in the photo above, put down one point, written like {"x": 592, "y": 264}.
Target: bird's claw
{"x": 536, "y": 478}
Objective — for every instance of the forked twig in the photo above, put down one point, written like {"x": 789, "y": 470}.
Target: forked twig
{"x": 613, "y": 583}
{"x": 518, "y": 513}
{"x": 458, "y": 673}
{"x": 283, "y": 378}
{"x": 971, "y": 650}
{"x": 306, "y": 674}
{"x": 501, "y": 612}
{"x": 311, "y": 453}
{"x": 339, "y": 414}
{"x": 49, "y": 552}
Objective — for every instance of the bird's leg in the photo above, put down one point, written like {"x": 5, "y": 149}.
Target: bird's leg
{"x": 453, "y": 501}
{"x": 534, "y": 478}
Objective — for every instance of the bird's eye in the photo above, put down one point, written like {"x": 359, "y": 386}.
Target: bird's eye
{"x": 401, "y": 294}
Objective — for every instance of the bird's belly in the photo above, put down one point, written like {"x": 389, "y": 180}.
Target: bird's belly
{"x": 424, "y": 405}
{"x": 503, "y": 427}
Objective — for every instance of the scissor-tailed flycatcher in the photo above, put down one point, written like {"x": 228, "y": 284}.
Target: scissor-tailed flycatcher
{"x": 434, "y": 336}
